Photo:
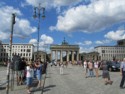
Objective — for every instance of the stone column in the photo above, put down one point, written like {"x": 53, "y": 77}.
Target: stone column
{"x": 51, "y": 55}
{"x": 67, "y": 55}
{"x": 72, "y": 55}
{"x": 61, "y": 56}
{"x": 77, "y": 58}
{"x": 55, "y": 55}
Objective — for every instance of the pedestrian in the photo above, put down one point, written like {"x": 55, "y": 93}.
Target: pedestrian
{"x": 61, "y": 68}
{"x": 105, "y": 73}
{"x": 22, "y": 71}
{"x": 85, "y": 68}
{"x": 96, "y": 67}
{"x": 91, "y": 67}
{"x": 122, "y": 72}
{"x": 29, "y": 76}
{"x": 38, "y": 66}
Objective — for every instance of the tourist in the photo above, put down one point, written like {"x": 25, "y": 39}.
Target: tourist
{"x": 105, "y": 73}
{"x": 61, "y": 68}
{"x": 96, "y": 67}
{"x": 38, "y": 66}
{"x": 85, "y": 68}
{"x": 29, "y": 76}
{"x": 90, "y": 66}
{"x": 122, "y": 71}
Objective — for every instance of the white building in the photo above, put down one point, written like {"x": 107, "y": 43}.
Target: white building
{"x": 110, "y": 52}
{"x": 24, "y": 50}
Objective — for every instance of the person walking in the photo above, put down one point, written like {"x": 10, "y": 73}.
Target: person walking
{"x": 38, "y": 66}
{"x": 96, "y": 67}
{"x": 91, "y": 67}
{"x": 29, "y": 76}
{"x": 85, "y": 68}
{"x": 122, "y": 72}
{"x": 105, "y": 73}
{"x": 61, "y": 68}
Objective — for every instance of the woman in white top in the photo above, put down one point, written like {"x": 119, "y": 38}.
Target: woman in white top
{"x": 29, "y": 76}
{"x": 61, "y": 68}
{"x": 96, "y": 66}
{"x": 85, "y": 68}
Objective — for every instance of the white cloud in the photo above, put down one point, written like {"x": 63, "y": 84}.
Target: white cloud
{"x": 3, "y": 36}
{"x": 100, "y": 42}
{"x": 87, "y": 49}
{"x": 53, "y": 3}
{"x": 94, "y": 17}
{"x": 46, "y": 39}
{"x": 22, "y": 27}
{"x": 33, "y": 41}
{"x": 87, "y": 42}
{"x": 120, "y": 34}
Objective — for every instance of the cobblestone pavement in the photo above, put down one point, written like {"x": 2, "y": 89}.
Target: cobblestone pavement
{"x": 73, "y": 81}
{"x": 3, "y": 74}
{"x": 18, "y": 89}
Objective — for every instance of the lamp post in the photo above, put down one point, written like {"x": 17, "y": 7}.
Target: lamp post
{"x": 38, "y": 14}
{"x": 10, "y": 58}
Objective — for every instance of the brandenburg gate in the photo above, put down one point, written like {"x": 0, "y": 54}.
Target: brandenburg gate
{"x": 64, "y": 52}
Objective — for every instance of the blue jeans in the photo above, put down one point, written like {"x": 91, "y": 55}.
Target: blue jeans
{"x": 29, "y": 81}
{"x": 91, "y": 73}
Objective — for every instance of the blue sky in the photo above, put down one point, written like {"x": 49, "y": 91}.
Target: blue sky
{"x": 88, "y": 23}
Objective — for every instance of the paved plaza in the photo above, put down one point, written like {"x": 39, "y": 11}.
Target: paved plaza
{"x": 72, "y": 81}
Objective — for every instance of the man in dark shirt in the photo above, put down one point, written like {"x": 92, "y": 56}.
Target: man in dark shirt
{"x": 122, "y": 71}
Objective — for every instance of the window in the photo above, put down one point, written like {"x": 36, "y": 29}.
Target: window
{"x": 28, "y": 50}
{"x": 103, "y": 51}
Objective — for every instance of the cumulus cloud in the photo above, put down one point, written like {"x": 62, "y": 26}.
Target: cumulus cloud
{"x": 91, "y": 18}
{"x": 43, "y": 43}
{"x": 53, "y": 3}
{"x": 119, "y": 34}
{"x": 87, "y": 42}
{"x": 22, "y": 28}
{"x": 46, "y": 39}
{"x": 33, "y": 41}
{"x": 86, "y": 49}
{"x": 100, "y": 42}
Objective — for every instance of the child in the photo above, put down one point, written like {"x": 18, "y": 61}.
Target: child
{"x": 29, "y": 76}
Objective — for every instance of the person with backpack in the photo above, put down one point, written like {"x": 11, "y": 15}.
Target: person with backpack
{"x": 17, "y": 67}
{"x": 38, "y": 66}
{"x": 22, "y": 71}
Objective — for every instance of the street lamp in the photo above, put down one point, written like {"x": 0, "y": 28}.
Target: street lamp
{"x": 38, "y": 14}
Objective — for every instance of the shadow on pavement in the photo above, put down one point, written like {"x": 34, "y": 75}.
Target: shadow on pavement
{"x": 65, "y": 74}
{"x": 47, "y": 88}
{"x": 48, "y": 77}
{"x": 2, "y": 88}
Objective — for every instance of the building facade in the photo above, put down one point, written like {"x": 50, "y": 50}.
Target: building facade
{"x": 23, "y": 50}
{"x": 40, "y": 55}
{"x": 111, "y": 52}
{"x": 89, "y": 56}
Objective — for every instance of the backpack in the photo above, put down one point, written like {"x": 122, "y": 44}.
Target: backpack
{"x": 17, "y": 63}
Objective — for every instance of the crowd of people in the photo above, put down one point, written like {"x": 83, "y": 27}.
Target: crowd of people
{"x": 27, "y": 71}
{"x": 91, "y": 69}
